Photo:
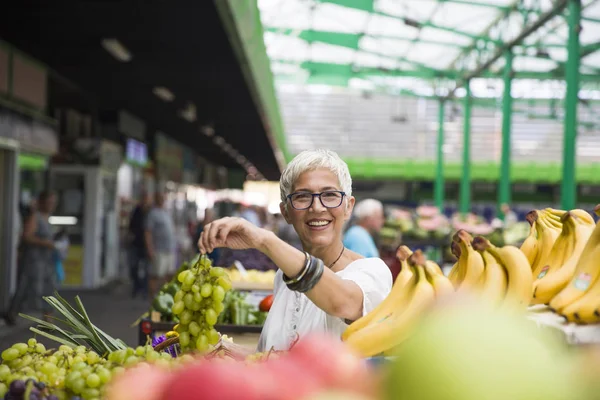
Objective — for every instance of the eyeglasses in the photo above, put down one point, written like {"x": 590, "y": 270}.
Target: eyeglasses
{"x": 329, "y": 199}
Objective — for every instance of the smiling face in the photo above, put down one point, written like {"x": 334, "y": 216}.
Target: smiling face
{"x": 318, "y": 226}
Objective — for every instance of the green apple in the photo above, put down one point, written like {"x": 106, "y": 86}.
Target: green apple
{"x": 475, "y": 353}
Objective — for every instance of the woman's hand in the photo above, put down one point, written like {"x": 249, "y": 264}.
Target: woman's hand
{"x": 233, "y": 233}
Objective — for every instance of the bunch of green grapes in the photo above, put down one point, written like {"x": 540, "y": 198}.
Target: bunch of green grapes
{"x": 31, "y": 361}
{"x": 198, "y": 304}
{"x": 68, "y": 372}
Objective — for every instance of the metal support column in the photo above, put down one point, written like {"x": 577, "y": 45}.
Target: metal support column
{"x": 568, "y": 192}
{"x": 504, "y": 188}
{"x": 465, "y": 183}
{"x": 439, "y": 177}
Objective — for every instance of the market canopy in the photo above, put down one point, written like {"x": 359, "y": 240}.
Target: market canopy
{"x": 425, "y": 46}
{"x": 363, "y": 77}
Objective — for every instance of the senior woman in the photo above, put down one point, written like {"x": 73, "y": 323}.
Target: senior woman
{"x": 326, "y": 286}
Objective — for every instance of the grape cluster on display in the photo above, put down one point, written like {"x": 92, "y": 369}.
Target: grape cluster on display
{"x": 30, "y": 372}
{"x": 198, "y": 304}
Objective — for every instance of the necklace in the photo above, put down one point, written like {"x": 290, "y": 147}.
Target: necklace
{"x": 337, "y": 259}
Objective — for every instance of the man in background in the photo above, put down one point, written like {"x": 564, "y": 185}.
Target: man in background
{"x": 138, "y": 255}
{"x": 160, "y": 243}
{"x": 510, "y": 217}
{"x": 369, "y": 221}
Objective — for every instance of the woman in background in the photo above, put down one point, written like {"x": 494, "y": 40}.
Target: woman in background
{"x": 36, "y": 263}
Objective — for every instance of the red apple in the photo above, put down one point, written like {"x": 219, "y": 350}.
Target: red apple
{"x": 334, "y": 363}
{"x": 207, "y": 380}
{"x": 290, "y": 379}
{"x": 143, "y": 382}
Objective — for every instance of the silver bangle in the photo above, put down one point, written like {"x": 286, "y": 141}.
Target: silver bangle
{"x": 298, "y": 277}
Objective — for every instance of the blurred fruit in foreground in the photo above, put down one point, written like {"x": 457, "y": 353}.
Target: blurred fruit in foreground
{"x": 473, "y": 353}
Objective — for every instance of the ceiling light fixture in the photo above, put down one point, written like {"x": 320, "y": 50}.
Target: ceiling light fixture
{"x": 163, "y": 93}
{"x": 208, "y": 130}
{"x": 117, "y": 50}
{"x": 218, "y": 140}
{"x": 189, "y": 113}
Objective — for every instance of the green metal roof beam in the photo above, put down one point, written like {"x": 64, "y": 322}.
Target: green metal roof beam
{"x": 348, "y": 38}
{"x": 558, "y": 7}
{"x": 363, "y": 5}
{"x": 425, "y": 73}
{"x": 477, "y": 4}
{"x": 351, "y": 36}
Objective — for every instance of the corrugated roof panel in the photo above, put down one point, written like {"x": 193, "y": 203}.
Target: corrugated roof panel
{"x": 433, "y": 55}
{"x": 331, "y": 17}
{"x": 416, "y": 9}
{"x": 434, "y": 34}
{"x": 466, "y": 17}
{"x": 394, "y": 48}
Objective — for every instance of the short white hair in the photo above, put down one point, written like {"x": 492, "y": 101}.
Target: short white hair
{"x": 366, "y": 208}
{"x": 311, "y": 160}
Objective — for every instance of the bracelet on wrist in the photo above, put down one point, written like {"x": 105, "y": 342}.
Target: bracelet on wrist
{"x": 313, "y": 274}
{"x": 289, "y": 281}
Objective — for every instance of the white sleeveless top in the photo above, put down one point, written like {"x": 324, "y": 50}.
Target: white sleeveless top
{"x": 293, "y": 314}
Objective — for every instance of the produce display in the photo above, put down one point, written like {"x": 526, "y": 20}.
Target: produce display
{"x": 86, "y": 360}
{"x": 419, "y": 283}
{"x": 238, "y": 312}
{"x": 427, "y": 223}
{"x": 252, "y": 276}
{"x": 462, "y": 336}
{"x": 165, "y": 298}
{"x": 461, "y": 351}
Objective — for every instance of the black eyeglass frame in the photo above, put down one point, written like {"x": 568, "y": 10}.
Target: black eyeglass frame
{"x": 312, "y": 199}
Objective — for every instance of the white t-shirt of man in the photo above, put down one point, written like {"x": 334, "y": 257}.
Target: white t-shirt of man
{"x": 293, "y": 314}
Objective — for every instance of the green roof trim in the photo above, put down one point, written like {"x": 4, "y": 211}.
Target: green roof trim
{"x": 241, "y": 19}
{"x": 481, "y": 171}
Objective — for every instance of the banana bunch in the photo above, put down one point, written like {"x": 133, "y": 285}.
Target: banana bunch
{"x": 563, "y": 258}
{"x": 466, "y": 273}
{"x": 418, "y": 284}
{"x": 579, "y": 300}
{"x": 506, "y": 279}
{"x": 501, "y": 275}
{"x": 546, "y": 228}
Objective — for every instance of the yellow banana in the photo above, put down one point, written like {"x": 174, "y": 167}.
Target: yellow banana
{"x": 552, "y": 281}
{"x": 585, "y": 309}
{"x": 520, "y": 280}
{"x": 582, "y": 214}
{"x": 530, "y": 246}
{"x": 547, "y": 236}
{"x": 397, "y": 298}
{"x": 470, "y": 262}
{"x": 495, "y": 279}
{"x": 434, "y": 267}
{"x": 586, "y": 274}
{"x": 389, "y": 333}
{"x": 560, "y": 252}
{"x": 441, "y": 285}
{"x": 454, "y": 274}
{"x": 402, "y": 255}
{"x": 552, "y": 219}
